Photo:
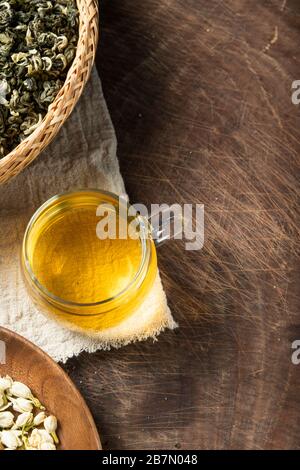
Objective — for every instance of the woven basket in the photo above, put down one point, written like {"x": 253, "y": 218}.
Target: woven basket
{"x": 62, "y": 106}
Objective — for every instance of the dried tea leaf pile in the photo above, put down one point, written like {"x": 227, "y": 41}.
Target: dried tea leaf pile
{"x": 38, "y": 40}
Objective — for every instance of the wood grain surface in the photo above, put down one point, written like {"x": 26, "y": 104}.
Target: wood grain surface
{"x": 26, "y": 363}
{"x": 200, "y": 95}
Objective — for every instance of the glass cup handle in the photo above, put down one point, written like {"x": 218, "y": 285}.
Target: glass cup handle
{"x": 165, "y": 226}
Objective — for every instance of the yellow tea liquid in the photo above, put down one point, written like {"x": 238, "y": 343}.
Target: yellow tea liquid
{"x": 71, "y": 263}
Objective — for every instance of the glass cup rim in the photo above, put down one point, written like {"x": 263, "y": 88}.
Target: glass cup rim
{"x": 146, "y": 253}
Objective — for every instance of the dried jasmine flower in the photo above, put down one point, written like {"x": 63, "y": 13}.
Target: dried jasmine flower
{"x": 11, "y": 439}
{"x": 21, "y": 390}
{"x": 38, "y": 40}
{"x": 5, "y": 406}
{"x": 21, "y": 430}
{"x": 6, "y": 419}
{"x": 5, "y": 383}
{"x": 50, "y": 424}
{"x": 39, "y": 418}
{"x": 47, "y": 446}
{"x": 24, "y": 419}
{"x": 21, "y": 405}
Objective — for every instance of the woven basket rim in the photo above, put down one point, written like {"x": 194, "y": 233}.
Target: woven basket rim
{"x": 84, "y": 59}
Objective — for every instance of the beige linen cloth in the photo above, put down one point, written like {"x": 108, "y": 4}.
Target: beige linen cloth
{"x": 83, "y": 155}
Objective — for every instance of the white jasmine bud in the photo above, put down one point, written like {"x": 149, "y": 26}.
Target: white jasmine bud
{"x": 21, "y": 405}
{"x": 39, "y": 418}
{"x": 48, "y": 446}
{"x": 45, "y": 436}
{"x": 4, "y": 407}
{"x": 20, "y": 390}
{"x": 6, "y": 419}
{"x": 35, "y": 440}
{"x": 10, "y": 439}
{"x": 50, "y": 424}
{"x": 5, "y": 383}
{"x": 39, "y": 437}
{"x": 24, "y": 419}
{"x": 4, "y": 404}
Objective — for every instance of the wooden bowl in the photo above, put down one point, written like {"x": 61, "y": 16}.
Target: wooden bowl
{"x": 51, "y": 385}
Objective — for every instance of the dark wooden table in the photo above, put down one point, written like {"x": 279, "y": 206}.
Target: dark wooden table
{"x": 200, "y": 95}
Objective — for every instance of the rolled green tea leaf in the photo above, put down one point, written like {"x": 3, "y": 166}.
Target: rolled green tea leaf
{"x": 38, "y": 40}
